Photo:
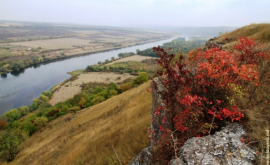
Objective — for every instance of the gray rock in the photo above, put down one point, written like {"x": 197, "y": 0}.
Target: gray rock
{"x": 143, "y": 158}
{"x": 224, "y": 147}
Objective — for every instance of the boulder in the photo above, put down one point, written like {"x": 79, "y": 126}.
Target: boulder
{"x": 223, "y": 147}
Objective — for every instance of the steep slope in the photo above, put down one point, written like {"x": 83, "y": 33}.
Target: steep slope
{"x": 87, "y": 137}
{"x": 256, "y": 31}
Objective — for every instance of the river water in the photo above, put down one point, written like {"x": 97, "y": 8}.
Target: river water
{"x": 19, "y": 88}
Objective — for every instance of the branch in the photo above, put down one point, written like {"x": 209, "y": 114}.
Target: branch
{"x": 117, "y": 156}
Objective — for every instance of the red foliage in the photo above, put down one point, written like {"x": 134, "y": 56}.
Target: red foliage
{"x": 194, "y": 97}
{"x": 2, "y": 124}
{"x": 52, "y": 113}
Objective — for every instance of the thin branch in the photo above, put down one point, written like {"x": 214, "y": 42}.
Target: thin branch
{"x": 117, "y": 156}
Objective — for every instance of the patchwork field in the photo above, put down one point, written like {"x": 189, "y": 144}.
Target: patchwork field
{"x": 61, "y": 43}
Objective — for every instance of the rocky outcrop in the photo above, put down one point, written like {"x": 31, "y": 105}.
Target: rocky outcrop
{"x": 211, "y": 43}
{"x": 223, "y": 147}
{"x": 143, "y": 158}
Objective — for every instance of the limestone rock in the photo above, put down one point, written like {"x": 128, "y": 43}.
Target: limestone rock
{"x": 224, "y": 147}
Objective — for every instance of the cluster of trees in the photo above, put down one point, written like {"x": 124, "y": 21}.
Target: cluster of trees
{"x": 14, "y": 132}
{"x": 15, "y": 114}
{"x": 126, "y": 54}
{"x": 125, "y": 67}
{"x": 176, "y": 45}
{"x": 6, "y": 48}
{"x": 15, "y": 65}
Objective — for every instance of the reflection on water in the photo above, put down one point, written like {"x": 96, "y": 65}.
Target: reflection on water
{"x": 17, "y": 72}
{"x": 3, "y": 75}
{"x": 22, "y": 86}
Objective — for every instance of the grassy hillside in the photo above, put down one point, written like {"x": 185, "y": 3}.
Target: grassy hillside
{"x": 88, "y": 137}
{"x": 256, "y": 31}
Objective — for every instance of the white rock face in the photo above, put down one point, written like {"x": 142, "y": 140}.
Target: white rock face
{"x": 224, "y": 147}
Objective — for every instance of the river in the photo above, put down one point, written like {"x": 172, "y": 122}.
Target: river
{"x": 19, "y": 88}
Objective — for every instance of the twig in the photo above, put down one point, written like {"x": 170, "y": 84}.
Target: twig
{"x": 174, "y": 144}
{"x": 117, "y": 156}
{"x": 209, "y": 134}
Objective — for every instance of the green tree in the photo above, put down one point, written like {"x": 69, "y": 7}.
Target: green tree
{"x": 23, "y": 110}
{"x": 107, "y": 61}
{"x": 10, "y": 144}
{"x": 112, "y": 93}
{"x": 12, "y": 115}
{"x": 143, "y": 77}
{"x": 41, "y": 122}
{"x": 44, "y": 98}
{"x": 28, "y": 127}
{"x": 112, "y": 58}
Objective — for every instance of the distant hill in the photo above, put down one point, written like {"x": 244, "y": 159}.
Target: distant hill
{"x": 206, "y": 32}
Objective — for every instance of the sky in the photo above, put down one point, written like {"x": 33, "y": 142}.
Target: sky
{"x": 170, "y": 13}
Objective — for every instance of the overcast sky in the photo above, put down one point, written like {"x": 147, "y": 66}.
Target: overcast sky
{"x": 139, "y": 12}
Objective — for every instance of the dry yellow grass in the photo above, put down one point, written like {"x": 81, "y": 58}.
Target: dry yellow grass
{"x": 121, "y": 122}
{"x": 256, "y": 31}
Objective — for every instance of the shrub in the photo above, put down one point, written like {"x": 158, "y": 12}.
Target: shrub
{"x": 41, "y": 122}
{"x": 143, "y": 77}
{"x": 124, "y": 87}
{"x": 3, "y": 69}
{"x": 3, "y": 124}
{"x": 23, "y": 110}
{"x": 28, "y": 127}
{"x": 103, "y": 94}
{"x": 82, "y": 102}
{"x": 44, "y": 105}
{"x": 112, "y": 93}
{"x": 53, "y": 113}
{"x": 10, "y": 144}
{"x": 44, "y": 98}
{"x": 97, "y": 99}
{"x": 74, "y": 109}
{"x": 12, "y": 115}
{"x": 112, "y": 86}
{"x": 47, "y": 93}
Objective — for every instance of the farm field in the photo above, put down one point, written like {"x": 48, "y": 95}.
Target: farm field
{"x": 61, "y": 43}
{"x": 48, "y": 42}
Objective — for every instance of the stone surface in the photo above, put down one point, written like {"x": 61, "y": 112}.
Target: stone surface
{"x": 224, "y": 147}
{"x": 143, "y": 158}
